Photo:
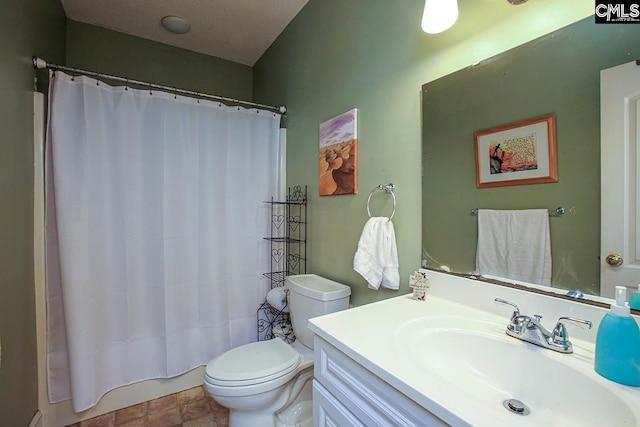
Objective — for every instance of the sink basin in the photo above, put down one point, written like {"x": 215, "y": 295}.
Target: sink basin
{"x": 475, "y": 361}
{"x": 450, "y": 355}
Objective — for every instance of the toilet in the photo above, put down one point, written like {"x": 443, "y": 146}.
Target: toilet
{"x": 268, "y": 383}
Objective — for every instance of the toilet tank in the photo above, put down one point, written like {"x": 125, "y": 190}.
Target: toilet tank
{"x": 311, "y": 296}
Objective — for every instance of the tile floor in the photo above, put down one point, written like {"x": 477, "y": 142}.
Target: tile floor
{"x": 189, "y": 408}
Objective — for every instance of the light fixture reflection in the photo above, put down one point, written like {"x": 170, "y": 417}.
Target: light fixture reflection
{"x": 439, "y": 15}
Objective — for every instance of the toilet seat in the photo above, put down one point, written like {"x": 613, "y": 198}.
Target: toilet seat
{"x": 252, "y": 364}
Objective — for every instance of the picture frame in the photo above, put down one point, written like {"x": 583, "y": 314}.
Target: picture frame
{"x": 519, "y": 153}
{"x": 338, "y": 154}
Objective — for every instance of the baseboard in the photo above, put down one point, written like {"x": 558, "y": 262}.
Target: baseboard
{"x": 36, "y": 421}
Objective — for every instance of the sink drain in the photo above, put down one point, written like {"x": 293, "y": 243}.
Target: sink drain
{"x": 515, "y": 406}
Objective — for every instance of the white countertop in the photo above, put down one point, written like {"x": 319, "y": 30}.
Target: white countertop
{"x": 374, "y": 335}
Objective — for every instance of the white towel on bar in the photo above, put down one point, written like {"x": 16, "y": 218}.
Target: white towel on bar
{"x": 376, "y": 258}
{"x": 514, "y": 244}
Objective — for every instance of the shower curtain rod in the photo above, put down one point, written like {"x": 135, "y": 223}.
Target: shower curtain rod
{"x": 41, "y": 64}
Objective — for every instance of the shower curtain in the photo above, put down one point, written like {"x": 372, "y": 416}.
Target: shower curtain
{"x": 154, "y": 226}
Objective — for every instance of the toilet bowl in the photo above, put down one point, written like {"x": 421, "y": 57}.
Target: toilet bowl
{"x": 268, "y": 383}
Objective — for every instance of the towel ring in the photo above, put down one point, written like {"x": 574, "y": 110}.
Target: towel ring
{"x": 389, "y": 188}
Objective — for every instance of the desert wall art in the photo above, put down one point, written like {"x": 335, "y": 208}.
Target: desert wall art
{"x": 339, "y": 154}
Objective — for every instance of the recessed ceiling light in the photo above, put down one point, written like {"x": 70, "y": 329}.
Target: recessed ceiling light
{"x": 175, "y": 24}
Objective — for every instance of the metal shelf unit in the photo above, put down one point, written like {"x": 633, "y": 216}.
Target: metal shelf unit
{"x": 288, "y": 251}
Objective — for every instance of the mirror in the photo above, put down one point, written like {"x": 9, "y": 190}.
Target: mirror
{"x": 557, "y": 73}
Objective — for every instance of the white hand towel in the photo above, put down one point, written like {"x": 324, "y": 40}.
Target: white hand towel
{"x": 390, "y": 275}
{"x": 376, "y": 258}
{"x": 277, "y": 298}
{"x": 514, "y": 244}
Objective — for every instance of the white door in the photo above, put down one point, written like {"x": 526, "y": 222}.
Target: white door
{"x": 620, "y": 175}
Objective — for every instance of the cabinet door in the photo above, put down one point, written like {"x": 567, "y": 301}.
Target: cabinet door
{"x": 328, "y": 412}
{"x": 370, "y": 399}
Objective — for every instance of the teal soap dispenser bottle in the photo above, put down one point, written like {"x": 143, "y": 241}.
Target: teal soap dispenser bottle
{"x": 618, "y": 344}
{"x": 634, "y": 302}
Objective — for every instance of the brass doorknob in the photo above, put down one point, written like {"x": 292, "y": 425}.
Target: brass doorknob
{"x": 614, "y": 260}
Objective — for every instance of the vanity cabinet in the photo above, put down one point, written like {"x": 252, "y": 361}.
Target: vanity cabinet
{"x": 347, "y": 394}
{"x": 448, "y": 360}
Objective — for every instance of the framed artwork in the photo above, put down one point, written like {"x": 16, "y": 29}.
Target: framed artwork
{"x": 519, "y": 153}
{"x": 339, "y": 154}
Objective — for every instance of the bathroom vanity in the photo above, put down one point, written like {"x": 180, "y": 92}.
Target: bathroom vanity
{"x": 448, "y": 361}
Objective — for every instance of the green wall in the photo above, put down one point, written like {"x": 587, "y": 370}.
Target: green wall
{"x": 27, "y": 28}
{"x": 105, "y": 51}
{"x": 328, "y": 62}
{"x": 559, "y": 73}
{"x": 372, "y": 55}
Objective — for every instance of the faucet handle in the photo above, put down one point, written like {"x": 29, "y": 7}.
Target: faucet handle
{"x": 516, "y": 311}
{"x": 560, "y": 336}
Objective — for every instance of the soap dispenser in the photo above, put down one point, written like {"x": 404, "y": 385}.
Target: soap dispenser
{"x": 618, "y": 343}
{"x": 634, "y": 302}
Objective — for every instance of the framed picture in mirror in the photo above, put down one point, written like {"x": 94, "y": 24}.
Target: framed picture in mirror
{"x": 519, "y": 153}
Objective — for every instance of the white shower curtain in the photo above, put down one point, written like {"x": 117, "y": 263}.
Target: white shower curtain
{"x": 154, "y": 232}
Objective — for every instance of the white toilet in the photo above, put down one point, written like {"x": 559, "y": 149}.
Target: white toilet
{"x": 267, "y": 383}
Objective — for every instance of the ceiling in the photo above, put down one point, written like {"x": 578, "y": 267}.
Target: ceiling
{"x": 235, "y": 30}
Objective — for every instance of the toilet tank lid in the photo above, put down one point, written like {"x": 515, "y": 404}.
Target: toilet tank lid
{"x": 317, "y": 287}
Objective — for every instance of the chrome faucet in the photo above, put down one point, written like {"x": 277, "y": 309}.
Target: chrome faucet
{"x": 530, "y": 329}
